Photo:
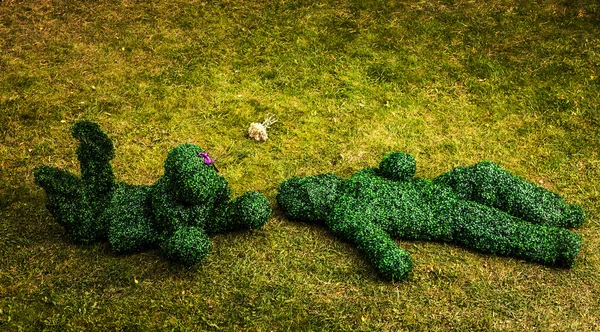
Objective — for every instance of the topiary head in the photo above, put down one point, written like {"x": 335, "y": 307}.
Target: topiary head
{"x": 310, "y": 198}
{"x": 398, "y": 166}
{"x": 191, "y": 176}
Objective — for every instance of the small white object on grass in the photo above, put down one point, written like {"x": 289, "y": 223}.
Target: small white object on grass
{"x": 258, "y": 131}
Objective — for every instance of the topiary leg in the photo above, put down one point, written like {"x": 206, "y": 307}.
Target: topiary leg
{"x": 489, "y": 184}
{"x": 376, "y": 245}
{"x": 94, "y": 153}
{"x": 188, "y": 245}
{"x": 489, "y": 230}
{"x": 249, "y": 211}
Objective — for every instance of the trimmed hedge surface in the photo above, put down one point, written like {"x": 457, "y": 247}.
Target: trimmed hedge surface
{"x": 482, "y": 207}
{"x": 175, "y": 214}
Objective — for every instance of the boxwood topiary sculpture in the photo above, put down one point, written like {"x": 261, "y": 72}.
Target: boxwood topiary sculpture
{"x": 483, "y": 207}
{"x": 178, "y": 213}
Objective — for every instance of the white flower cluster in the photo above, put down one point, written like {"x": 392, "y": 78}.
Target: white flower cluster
{"x": 258, "y": 131}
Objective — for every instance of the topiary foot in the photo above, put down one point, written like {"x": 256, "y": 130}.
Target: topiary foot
{"x": 249, "y": 211}
{"x": 188, "y": 246}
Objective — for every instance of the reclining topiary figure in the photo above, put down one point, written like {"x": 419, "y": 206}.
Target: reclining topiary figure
{"x": 483, "y": 207}
{"x": 177, "y": 213}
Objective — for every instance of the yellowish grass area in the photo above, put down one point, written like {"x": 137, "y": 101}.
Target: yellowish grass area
{"x": 451, "y": 82}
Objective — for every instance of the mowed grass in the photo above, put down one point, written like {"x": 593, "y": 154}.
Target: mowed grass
{"x": 451, "y": 82}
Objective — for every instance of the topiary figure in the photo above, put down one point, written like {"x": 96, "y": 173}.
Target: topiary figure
{"x": 483, "y": 207}
{"x": 177, "y": 214}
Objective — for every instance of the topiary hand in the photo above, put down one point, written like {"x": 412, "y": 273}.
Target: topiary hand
{"x": 247, "y": 212}
{"x": 76, "y": 203}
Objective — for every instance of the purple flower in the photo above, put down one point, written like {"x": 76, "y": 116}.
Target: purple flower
{"x": 207, "y": 159}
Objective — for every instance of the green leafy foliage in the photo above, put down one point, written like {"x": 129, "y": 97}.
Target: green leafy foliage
{"x": 489, "y": 184}
{"x": 512, "y": 81}
{"x": 191, "y": 180}
{"x": 376, "y": 205}
{"x": 188, "y": 245}
{"x": 308, "y": 199}
{"x": 175, "y": 213}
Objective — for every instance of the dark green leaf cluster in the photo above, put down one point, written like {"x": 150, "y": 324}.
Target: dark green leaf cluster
{"x": 129, "y": 219}
{"x": 308, "y": 199}
{"x": 188, "y": 245}
{"x": 489, "y": 184}
{"x": 376, "y": 205}
{"x": 175, "y": 214}
{"x": 191, "y": 180}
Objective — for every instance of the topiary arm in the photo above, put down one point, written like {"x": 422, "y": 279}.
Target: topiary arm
{"x": 392, "y": 262}
{"x": 57, "y": 182}
{"x": 249, "y": 211}
{"x": 489, "y": 184}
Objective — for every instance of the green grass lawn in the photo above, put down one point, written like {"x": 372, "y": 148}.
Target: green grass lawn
{"x": 450, "y": 82}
